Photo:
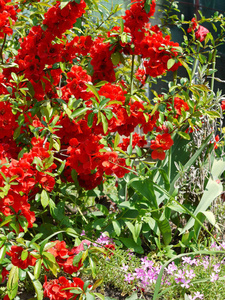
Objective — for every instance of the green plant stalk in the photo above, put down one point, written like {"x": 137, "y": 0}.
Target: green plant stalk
{"x": 169, "y": 163}
{"x": 195, "y": 64}
{"x": 213, "y": 67}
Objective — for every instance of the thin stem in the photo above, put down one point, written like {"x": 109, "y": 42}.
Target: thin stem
{"x": 105, "y": 20}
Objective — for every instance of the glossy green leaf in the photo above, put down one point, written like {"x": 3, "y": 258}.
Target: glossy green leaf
{"x": 12, "y": 283}
{"x": 37, "y": 269}
{"x": 77, "y": 258}
{"x": 116, "y": 227}
{"x": 44, "y": 198}
{"x": 184, "y": 135}
{"x": 37, "y": 286}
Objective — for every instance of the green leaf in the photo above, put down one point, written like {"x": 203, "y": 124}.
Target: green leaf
{"x": 103, "y": 209}
{"x": 49, "y": 255}
{"x": 129, "y": 149}
{"x": 90, "y": 119}
{"x": 37, "y": 268}
{"x": 93, "y": 267}
{"x": 62, "y": 166}
{"x": 117, "y": 227}
{"x": 78, "y": 112}
{"x": 2, "y": 253}
{"x": 100, "y": 296}
{"x": 104, "y": 122}
{"x": 170, "y": 63}
{"x": 131, "y": 228}
{"x": 145, "y": 188}
{"x": 16, "y": 133}
{"x": 22, "y": 274}
{"x": 134, "y": 296}
{"x": 77, "y": 258}
{"x": 147, "y": 6}
{"x": 212, "y": 191}
{"x": 165, "y": 229}
{"x": 37, "y": 286}
{"x": 138, "y": 151}
{"x": 94, "y": 91}
{"x": 44, "y": 198}
{"x": 116, "y": 140}
{"x": 129, "y": 243}
{"x": 115, "y": 57}
{"x": 184, "y": 135}
{"x": 24, "y": 254}
{"x": 64, "y": 4}
{"x": 213, "y": 114}
{"x": 90, "y": 296}
{"x": 12, "y": 283}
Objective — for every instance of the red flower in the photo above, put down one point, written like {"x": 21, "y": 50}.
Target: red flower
{"x": 163, "y": 141}
{"x": 158, "y": 154}
{"x": 16, "y": 260}
{"x": 47, "y": 182}
{"x": 201, "y": 33}
{"x": 193, "y": 25}
{"x": 223, "y": 105}
{"x": 57, "y": 289}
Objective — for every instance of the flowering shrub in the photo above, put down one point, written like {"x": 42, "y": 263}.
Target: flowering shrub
{"x": 71, "y": 97}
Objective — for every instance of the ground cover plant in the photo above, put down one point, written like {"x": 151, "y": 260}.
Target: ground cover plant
{"x": 90, "y": 166}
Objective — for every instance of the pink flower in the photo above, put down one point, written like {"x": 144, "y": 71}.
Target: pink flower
{"x": 214, "y": 277}
{"x": 81, "y": 246}
{"x": 201, "y": 33}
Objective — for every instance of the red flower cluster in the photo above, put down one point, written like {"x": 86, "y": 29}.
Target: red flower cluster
{"x": 200, "y": 33}
{"x": 138, "y": 140}
{"x": 57, "y": 289}
{"x": 7, "y": 120}
{"x": 136, "y": 17}
{"x": 193, "y": 25}
{"x": 76, "y": 84}
{"x": 161, "y": 143}
{"x": 16, "y": 259}
{"x": 178, "y": 105}
{"x": 24, "y": 176}
{"x": 59, "y": 20}
{"x": 64, "y": 257}
{"x": 101, "y": 61}
{"x": 80, "y": 45}
{"x": 7, "y": 12}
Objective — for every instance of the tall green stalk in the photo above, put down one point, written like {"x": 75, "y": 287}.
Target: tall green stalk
{"x": 195, "y": 63}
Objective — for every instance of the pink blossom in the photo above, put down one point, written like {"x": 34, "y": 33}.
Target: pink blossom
{"x": 201, "y": 33}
